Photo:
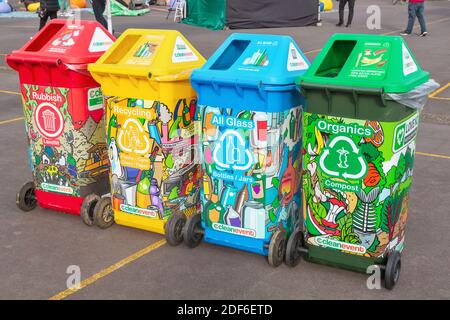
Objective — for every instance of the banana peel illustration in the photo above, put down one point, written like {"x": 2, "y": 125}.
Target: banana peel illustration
{"x": 319, "y": 138}
{"x": 369, "y": 62}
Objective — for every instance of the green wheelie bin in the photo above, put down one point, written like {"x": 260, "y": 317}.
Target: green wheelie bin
{"x": 363, "y": 96}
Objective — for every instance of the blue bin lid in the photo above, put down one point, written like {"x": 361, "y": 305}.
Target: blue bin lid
{"x": 253, "y": 60}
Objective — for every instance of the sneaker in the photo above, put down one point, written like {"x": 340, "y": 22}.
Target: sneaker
{"x": 404, "y": 33}
{"x": 423, "y": 34}
{"x": 339, "y": 24}
{"x": 348, "y": 25}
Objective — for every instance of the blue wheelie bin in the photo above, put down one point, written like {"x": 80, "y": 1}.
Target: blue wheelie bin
{"x": 250, "y": 114}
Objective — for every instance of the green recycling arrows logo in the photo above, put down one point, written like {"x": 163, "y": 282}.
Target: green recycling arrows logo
{"x": 342, "y": 159}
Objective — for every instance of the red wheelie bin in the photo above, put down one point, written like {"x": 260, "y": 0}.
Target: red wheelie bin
{"x": 63, "y": 112}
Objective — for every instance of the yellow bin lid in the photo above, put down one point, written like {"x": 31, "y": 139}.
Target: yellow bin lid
{"x": 140, "y": 59}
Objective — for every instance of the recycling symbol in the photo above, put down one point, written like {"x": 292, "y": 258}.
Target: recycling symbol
{"x": 400, "y": 136}
{"x": 341, "y": 158}
{"x": 132, "y": 137}
{"x": 230, "y": 152}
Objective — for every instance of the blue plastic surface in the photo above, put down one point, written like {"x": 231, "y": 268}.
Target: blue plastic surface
{"x": 251, "y": 71}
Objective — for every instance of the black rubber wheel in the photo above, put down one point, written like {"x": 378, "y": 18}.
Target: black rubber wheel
{"x": 293, "y": 254}
{"x": 173, "y": 229}
{"x": 277, "y": 249}
{"x": 392, "y": 271}
{"x": 192, "y": 235}
{"x": 26, "y": 198}
{"x": 103, "y": 213}
{"x": 87, "y": 209}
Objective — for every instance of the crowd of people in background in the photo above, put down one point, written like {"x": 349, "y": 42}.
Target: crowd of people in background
{"x": 49, "y": 8}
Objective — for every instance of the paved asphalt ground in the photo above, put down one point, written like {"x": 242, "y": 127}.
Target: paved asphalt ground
{"x": 122, "y": 263}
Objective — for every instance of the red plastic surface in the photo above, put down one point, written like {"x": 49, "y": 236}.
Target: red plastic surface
{"x": 59, "y": 202}
{"x": 58, "y": 54}
{"x": 52, "y": 59}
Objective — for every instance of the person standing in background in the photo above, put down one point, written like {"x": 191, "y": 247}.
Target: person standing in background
{"x": 99, "y": 8}
{"x": 416, "y": 8}
{"x": 351, "y": 6}
{"x": 65, "y": 8}
{"x": 48, "y": 9}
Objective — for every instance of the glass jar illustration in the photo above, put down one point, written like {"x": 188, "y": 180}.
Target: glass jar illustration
{"x": 255, "y": 217}
{"x": 210, "y": 131}
{"x": 232, "y": 217}
{"x": 258, "y": 138}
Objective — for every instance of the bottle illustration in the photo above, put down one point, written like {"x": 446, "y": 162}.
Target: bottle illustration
{"x": 207, "y": 186}
{"x": 186, "y": 114}
{"x": 241, "y": 198}
{"x": 292, "y": 127}
{"x": 232, "y": 218}
{"x": 229, "y": 195}
{"x": 112, "y": 127}
{"x": 287, "y": 181}
{"x": 255, "y": 217}
{"x": 273, "y": 147}
{"x": 259, "y": 184}
{"x": 143, "y": 192}
{"x": 214, "y": 209}
{"x": 211, "y": 131}
{"x": 156, "y": 201}
{"x": 258, "y": 138}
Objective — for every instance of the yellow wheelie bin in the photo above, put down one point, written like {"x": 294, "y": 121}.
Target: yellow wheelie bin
{"x": 151, "y": 130}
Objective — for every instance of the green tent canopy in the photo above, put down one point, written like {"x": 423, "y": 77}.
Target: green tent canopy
{"x": 206, "y": 13}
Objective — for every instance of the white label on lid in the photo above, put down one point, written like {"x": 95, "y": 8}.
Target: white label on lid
{"x": 182, "y": 52}
{"x": 409, "y": 66}
{"x": 100, "y": 41}
{"x": 295, "y": 60}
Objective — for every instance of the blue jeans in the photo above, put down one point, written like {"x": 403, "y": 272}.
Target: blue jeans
{"x": 416, "y": 9}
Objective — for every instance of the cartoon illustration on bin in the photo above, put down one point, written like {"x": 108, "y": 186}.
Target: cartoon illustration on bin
{"x": 251, "y": 172}
{"x": 153, "y": 172}
{"x": 68, "y": 154}
{"x": 356, "y": 201}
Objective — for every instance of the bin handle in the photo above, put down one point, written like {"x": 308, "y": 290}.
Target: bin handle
{"x": 239, "y": 89}
{"x": 53, "y": 62}
{"x": 359, "y": 90}
{"x": 215, "y": 86}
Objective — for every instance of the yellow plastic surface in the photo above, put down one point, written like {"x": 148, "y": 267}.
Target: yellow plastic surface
{"x": 141, "y": 64}
{"x": 327, "y": 5}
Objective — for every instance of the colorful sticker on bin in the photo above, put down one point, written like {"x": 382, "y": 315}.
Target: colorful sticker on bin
{"x": 95, "y": 99}
{"x": 405, "y": 132}
{"x": 295, "y": 60}
{"x": 182, "y": 52}
{"x": 409, "y": 66}
{"x": 259, "y": 58}
{"x": 49, "y": 122}
{"x": 100, "y": 41}
{"x": 371, "y": 61}
{"x": 64, "y": 40}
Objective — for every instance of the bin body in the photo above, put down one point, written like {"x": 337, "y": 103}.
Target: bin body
{"x": 151, "y": 127}
{"x": 358, "y": 150}
{"x": 63, "y": 112}
{"x": 250, "y": 113}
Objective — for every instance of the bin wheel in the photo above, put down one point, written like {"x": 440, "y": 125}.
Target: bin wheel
{"x": 87, "y": 208}
{"x": 103, "y": 213}
{"x": 277, "y": 249}
{"x": 193, "y": 234}
{"x": 293, "y": 246}
{"x": 26, "y": 198}
{"x": 392, "y": 271}
{"x": 173, "y": 228}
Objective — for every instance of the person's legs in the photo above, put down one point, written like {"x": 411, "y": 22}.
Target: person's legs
{"x": 411, "y": 17}
{"x": 43, "y": 19}
{"x": 419, "y": 12}
{"x": 351, "y": 6}
{"x": 52, "y": 15}
{"x": 341, "y": 11}
{"x": 99, "y": 7}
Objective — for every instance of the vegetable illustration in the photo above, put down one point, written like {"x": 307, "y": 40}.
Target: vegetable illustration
{"x": 370, "y": 61}
{"x": 364, "y": 217}
{"x": 377, "y": 138}
{"x": 373, "y": 176}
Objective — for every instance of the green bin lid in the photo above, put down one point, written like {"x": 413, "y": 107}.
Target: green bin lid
{"x": 362, "y": 61}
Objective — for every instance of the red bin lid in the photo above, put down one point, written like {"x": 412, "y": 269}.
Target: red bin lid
{"x": 65, "y": 41}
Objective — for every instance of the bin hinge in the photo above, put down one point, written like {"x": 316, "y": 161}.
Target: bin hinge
{"x": 328, "y": 94}
{"x": 356, "y": 101}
